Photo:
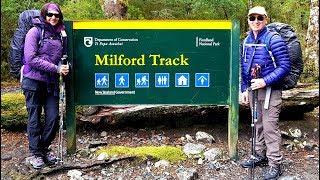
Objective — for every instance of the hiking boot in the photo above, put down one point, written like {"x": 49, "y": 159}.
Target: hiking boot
{"x": 37, "y": 162}
{"x": 254, "y": 161}
{"x": 50, "y": 157}
{"x": 273, "y": 172}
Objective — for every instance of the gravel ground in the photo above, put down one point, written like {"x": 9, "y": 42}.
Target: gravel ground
{"x": 299, "y": 162}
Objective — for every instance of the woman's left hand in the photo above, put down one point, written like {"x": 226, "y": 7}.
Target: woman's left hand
{"x": 63, "y": 69}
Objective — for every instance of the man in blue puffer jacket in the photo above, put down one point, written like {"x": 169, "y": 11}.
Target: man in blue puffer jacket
{"x": 254, "y": 53}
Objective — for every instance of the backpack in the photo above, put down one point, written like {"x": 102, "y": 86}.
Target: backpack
{"x": 17, "y": 42}
{"x": 289, "y": 36}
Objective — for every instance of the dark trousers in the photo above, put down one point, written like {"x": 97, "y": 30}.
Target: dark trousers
{"x": 38, "y": 96}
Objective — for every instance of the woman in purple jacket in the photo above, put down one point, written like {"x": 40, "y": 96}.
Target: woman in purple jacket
{"x": 40, "y": 83}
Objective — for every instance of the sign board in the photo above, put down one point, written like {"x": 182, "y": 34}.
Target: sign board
{"x": 154, "y": 62}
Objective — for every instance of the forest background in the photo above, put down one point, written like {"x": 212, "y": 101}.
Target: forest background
{"x": 302, "y": 15}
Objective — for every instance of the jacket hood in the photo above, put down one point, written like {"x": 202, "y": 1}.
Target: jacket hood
{"x": 41, "y": 23}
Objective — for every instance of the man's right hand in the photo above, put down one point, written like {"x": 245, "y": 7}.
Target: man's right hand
{"x": 244, "y": 97}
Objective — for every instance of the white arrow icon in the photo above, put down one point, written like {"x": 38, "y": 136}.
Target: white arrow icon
{"x": 202, "y": 79}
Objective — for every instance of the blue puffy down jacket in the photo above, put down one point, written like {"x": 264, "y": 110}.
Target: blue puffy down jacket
{"x": 257, "y": 47}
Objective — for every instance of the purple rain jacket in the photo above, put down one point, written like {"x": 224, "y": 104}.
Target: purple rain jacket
{"x": 42, "y": 58}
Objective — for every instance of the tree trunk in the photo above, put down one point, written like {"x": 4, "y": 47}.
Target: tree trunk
{"x": 250, "y": 4}
{"x": 115, "y": 9}
{"x": 312, "y": 39}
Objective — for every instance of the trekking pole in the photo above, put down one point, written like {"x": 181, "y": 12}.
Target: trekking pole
{"x": 61, "y": 112}
{"x": 255, "y": 74}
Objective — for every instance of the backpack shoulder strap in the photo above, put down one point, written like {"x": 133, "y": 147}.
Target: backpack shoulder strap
{"x": 244, "y": 43}
{"x": 63, "y": 36}
{"x": 41, "y": 33}
{"x": 267, "y": 39}
{"x": 243, "y": 47}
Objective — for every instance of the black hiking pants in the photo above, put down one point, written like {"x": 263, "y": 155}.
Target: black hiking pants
{"x": 40, "y": 133}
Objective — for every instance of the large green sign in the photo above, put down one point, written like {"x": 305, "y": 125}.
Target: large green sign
{"x": 154, "y": 62}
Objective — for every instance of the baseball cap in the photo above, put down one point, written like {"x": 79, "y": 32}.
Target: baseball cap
{"x": 257, "y": 10}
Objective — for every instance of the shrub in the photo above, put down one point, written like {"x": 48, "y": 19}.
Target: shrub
{"x": 13, "y": 111}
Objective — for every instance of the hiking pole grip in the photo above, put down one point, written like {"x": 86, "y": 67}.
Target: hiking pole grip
{"x": 64, "y": 59}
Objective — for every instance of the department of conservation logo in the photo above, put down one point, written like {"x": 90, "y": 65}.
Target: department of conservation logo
{"x": 88, "y": 41}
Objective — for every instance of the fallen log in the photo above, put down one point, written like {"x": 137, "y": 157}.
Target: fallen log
{"x": 296, "y": 102}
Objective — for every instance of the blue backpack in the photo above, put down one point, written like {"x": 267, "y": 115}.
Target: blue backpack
{"x": 17, "y": 42}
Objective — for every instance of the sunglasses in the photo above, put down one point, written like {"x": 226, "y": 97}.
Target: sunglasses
{"x": 55, "y": 15}
{"x": 259, "y": 18}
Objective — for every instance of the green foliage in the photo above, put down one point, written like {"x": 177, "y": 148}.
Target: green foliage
{"x": 310, "y": 73}
{"x": 13, "y": 110}
{"x": 187, "y": 9}
{"x": 5, "y": 75}
{"x": 171, "y": 154}
{"x": 83, "y": 10}
{"x": 135, "y": 13}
